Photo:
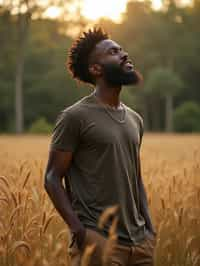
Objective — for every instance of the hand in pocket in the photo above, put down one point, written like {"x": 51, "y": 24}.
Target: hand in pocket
{"x": 78, "y": 240}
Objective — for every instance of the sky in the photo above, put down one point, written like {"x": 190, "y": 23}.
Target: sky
{"x": 112, "y": 9}
{"x": 95, "y": 9}
{"x": 108, "y": 8}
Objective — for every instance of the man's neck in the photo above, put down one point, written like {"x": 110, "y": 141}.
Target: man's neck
{"x": 108, "y": 95}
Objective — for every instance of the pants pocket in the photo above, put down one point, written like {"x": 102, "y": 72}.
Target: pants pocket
{"x": 152, "y": 240}
{"x": 72, "y": 241}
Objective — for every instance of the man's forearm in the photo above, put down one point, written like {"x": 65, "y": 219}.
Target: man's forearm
{"x": 61, "y": 201}
{"x": 144, "y": 207}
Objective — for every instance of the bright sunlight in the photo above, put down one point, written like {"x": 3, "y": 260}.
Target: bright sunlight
{"x": 111, "y": 9}
{"x": 96, "y": 9}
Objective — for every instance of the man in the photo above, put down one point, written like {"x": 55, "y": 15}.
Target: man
{"x": 95, "y": 146}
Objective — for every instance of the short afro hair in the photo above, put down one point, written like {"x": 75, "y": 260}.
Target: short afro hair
{"x": 78, "y": 57}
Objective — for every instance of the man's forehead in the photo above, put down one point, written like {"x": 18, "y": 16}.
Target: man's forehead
{"x": 106, "y": 45}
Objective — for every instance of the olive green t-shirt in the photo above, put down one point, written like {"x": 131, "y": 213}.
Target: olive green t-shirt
{"x": 104, "y": 169}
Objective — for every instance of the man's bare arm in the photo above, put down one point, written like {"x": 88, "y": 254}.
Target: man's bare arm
{"x": 144, "y": 203}
{"x": 57, "y": 166}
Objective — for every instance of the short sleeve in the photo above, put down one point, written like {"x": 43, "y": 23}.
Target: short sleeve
{"x": 141, "y": 123}
{"x": 65, "y": 135}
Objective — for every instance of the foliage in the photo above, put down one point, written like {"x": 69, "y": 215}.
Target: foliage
{"x": 163, "y": 82}
{"x": 162, "y": 44}
{"x": 187, "y": 117}
{"x": 41, "y": 126}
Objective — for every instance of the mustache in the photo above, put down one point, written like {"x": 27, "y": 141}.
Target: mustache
{"x": 115, "y": 74}
{"x": 125, "y": 61}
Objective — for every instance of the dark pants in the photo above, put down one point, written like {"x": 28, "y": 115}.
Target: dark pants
{"x": 113, "y": 254}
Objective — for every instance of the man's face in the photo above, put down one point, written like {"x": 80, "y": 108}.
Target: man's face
{"x": 115, "y": 66}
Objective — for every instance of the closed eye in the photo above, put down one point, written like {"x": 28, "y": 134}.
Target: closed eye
{"x": 115, "y": 50}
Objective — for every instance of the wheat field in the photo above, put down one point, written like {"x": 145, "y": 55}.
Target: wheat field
{"x": 32, "y": 233}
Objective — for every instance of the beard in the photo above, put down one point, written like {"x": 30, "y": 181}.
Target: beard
{"x": 116, "y": 75}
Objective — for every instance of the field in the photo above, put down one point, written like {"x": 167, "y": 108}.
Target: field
{"x": 32, "y": 233}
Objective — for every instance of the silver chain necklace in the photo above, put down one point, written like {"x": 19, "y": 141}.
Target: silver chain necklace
{"x": 105, "y": 106}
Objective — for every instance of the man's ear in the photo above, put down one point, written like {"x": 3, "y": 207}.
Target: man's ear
{"x": 95, "y": 70}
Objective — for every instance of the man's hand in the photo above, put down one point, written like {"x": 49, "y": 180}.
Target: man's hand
{"x": 79, "y": 234}
{"x": 152, "y": 233}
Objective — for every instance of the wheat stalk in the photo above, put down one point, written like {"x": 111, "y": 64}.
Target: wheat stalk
{"x": 107, "y": 214}
{"x": 85, "y": 261}
{"x": 5, "y": 181}
{"x": 45, "y": 226}
{"x": 20, "y": 244}
{"x": 26, "y": 179}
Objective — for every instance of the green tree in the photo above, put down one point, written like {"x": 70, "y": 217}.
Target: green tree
{"x": 167, "y": 84}
{"x": 24, "y": 11}
{"x": 41, "y": 126}
{"x": 7, "y": 40}
{"x": 168, "y": 38}
{"x": 187, "y": 117}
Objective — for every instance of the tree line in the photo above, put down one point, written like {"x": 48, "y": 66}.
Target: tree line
{"x": 164, "y": 46}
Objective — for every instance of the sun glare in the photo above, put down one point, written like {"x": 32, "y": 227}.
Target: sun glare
{"x": 111, "y": 9}
{"x": 96, "y": 9}
{"x": 156, "y": 4}
{"x": 52, "y": 12}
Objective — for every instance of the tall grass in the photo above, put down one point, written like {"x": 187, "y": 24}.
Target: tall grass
{"x": 32, "y": 233}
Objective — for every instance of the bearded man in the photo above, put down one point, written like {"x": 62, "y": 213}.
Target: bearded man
{"x": 96, "y": 148}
